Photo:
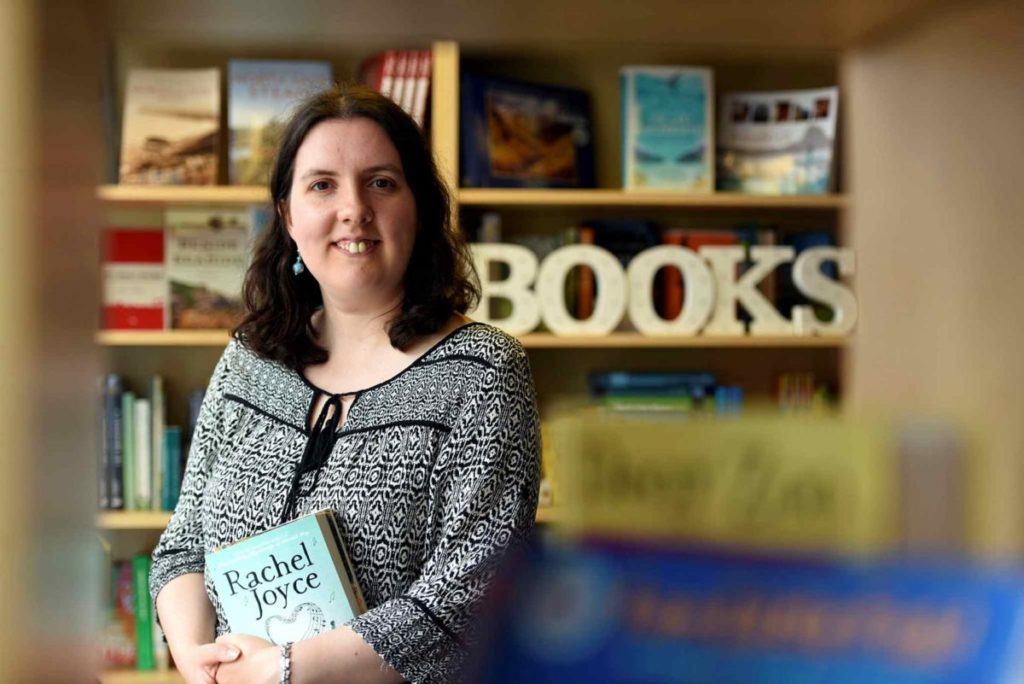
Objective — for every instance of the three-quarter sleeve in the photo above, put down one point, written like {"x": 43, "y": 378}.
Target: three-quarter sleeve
{"x": 180, "y": 549}
{"x": 485, "y": 491}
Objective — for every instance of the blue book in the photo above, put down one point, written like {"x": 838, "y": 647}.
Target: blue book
{"x": 667, "y": 128}
{"x": 635, "y": 615}
{"x": 113, "y": 411}
{"x": 620, "y": 383}
{"x": 172, "y": 468}
{"x": 515, "y": 134}
{"x": 289, "y": 583}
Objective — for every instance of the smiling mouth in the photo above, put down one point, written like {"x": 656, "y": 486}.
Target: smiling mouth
{"x": 357, "y": 247}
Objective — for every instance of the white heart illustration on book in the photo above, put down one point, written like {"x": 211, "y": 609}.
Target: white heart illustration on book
{"x": 307, "y": 621}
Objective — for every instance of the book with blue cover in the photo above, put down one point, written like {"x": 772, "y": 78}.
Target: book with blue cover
{"x": 289, "y": 583}
{"x": 667, "y": 128}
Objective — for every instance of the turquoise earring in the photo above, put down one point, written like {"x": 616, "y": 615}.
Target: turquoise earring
{"x": 298, "y": 267}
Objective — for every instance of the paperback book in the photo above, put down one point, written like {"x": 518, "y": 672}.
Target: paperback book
{"x": 261, "y": 95}
{"x": 207, "y": 254}
{"x": 778, "y": 143}
{"x": 171, "y": 127}
{"x": 667, "y": 128}
{"x": 289, "y": 583}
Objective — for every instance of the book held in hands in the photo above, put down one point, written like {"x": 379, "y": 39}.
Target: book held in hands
{"x": 289, "y": 583}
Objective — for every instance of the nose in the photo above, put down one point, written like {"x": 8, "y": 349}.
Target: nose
{"x": 353, "y": 207}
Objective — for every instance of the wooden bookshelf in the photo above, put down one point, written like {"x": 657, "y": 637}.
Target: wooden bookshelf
{"x": 230, "y": 195}
{"x": 157, "y": 520}
{"x": 494, "y": 197}
{"x": 137, "y": 677}
{"x": 220, "y": 338}
{"x": 132, "y": 520}
{"x": 161, "y": 195}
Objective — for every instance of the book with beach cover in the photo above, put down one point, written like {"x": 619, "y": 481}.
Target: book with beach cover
{"x": 289, "y": 583}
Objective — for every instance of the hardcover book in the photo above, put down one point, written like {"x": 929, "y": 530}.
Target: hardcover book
{"x": 667, "y": 128}
{"x": 516, "y": 134}
{"x": 289, "y": 583}
{"x": 134, "y": 289}
{"x": 261, "y": 94}
{"x": 171, "y": 127}
{"x": 207, "y": 254}
{"x": 777, "y": 143}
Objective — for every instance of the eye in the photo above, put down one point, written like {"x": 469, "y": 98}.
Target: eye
{"x": 320, "y": 186}
{"x": 382, "y": 183}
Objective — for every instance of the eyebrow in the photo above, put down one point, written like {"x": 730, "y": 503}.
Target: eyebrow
{"x": 372, "y": 169}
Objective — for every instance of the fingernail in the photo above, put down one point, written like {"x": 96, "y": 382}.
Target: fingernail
{"x": 231, "y": 653}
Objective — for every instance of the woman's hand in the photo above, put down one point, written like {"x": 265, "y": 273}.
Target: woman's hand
{"x": 198, "y": 665}
{"x": 260, "y": 662}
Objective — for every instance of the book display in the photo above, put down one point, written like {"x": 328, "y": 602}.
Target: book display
{"x": 532, "y": 153}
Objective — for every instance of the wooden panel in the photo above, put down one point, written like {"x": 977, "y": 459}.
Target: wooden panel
{"x": 769, "y": 27}
{"x": 620, "y": 198}
{"x": 17, "y": 332}
{"x": 936, "y": 223}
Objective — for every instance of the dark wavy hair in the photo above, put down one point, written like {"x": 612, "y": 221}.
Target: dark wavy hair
{"x": 439, "y": 280}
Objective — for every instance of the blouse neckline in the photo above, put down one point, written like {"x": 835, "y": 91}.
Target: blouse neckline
{"x": 396, "y": 376}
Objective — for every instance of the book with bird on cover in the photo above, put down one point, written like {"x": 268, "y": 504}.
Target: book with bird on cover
{"x": 289, "y": 583}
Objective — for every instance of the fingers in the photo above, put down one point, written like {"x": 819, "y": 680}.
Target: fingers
{"x": 209, "y": 655}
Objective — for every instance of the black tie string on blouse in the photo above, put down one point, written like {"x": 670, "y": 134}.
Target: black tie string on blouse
{"x": 318, "y": 449}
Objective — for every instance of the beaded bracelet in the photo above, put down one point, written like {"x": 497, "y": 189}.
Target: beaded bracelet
{"x": 286, "y": 663}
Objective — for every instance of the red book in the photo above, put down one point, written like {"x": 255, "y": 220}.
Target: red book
{"x": 419, "y": 109}
{"x": 695, "y": 239}
{"x": 134, "y": 286}
{"x": 672, "y": 278}
{"x": 371, "y": 72}
{"x": 585, "y": 285}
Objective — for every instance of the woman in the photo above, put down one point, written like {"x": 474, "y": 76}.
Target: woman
{"x": 356, "y": 383}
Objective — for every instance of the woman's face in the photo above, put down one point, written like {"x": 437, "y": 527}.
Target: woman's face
{"x": 351, "y": 212}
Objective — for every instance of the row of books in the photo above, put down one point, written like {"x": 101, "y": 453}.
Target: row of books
{"x": 140, "y": 457}
{"x": 170, "y": 129}
{"x": 131, "y": 638}
{"x": 625, "y": 238}
{"x": 517, "y": 134}
{"x": 689, "y": 392}
{"x": 186, "y": 274}
{"x": 403, "y": 76}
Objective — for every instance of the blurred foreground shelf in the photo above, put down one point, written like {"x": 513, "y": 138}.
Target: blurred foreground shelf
{"x": 220, "y": 338}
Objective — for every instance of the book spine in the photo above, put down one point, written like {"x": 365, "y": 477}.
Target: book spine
{"x": 585, "y": 281}
{"x": 143, "y": 614}
{"x": 423, "y": 87}
{"x": 143, "y": 455}
{"x": 114, "y": 432}
{"x": 625, "y": 104}
{"x": 387, "y": 82}
{"x": 412, "y": 79}
{"x": 172, "y": 468}
{"x": 102, "y": 471}
{"x": 128, "y": 444}
{"x": 157, "y": 439}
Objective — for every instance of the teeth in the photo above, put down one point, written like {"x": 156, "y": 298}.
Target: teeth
{"x": 358, "y": 247}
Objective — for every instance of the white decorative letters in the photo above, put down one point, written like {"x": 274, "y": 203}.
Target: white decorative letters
{"x": 814, "y": 285}
{"x": 710, "y": 292}
{"x": 699, "y": 291}
{"x": 522, "y": 266}
{"x": 766, "y": 320}
{"x": 610, "y": 282}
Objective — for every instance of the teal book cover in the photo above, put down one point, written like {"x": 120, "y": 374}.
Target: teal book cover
{"x": 289, "y": 583}
{"x": 667, "y": 128}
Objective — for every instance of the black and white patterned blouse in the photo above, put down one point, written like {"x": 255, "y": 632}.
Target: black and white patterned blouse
{"x": 434, "y": 474}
